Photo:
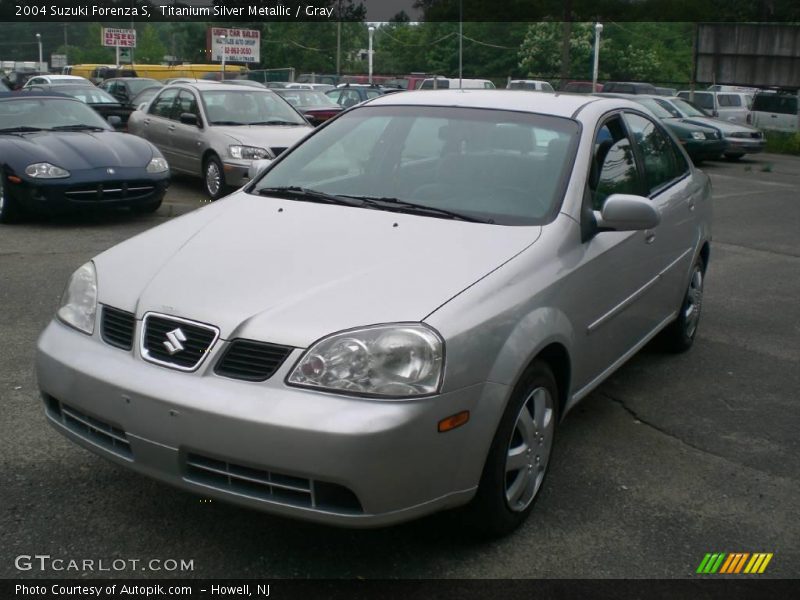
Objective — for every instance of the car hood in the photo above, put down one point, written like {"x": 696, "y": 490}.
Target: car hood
{"x": 725, "y": 127}
{"x": 263, "y": 135}
{"x": 290, "y": 272}
{"x": 686, "y": 125}
{"x": 76, "y": 151}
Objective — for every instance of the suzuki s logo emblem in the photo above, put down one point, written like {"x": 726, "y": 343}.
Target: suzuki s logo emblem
{"x": 174, "y": 339}
{"x": 110, "y": 171}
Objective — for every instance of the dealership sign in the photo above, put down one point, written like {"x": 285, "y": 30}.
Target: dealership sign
{"x": 238, "y": 45}
{"x": 125, "y": 38}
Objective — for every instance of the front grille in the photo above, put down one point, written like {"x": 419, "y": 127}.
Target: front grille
{"x": 116, "y": 327}
{"x": 251, "y": 361}
{"x": 110, "y": 190}
{"x": 189, "y": 341}
{"x": 277, "y": 151}
{"x": 269, "y": 486}
{"x": 93, "y": 430}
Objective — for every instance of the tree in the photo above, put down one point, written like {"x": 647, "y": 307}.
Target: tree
{"x": 149, "y": 48}
{"x": 540, "y": 51}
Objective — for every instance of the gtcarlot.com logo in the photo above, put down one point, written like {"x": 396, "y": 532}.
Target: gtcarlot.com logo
{"x": 734, "y": 563}
{"x": 45, "y": 562}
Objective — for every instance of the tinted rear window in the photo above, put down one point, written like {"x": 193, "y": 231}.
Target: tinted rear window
{"x": 775, "y": 103}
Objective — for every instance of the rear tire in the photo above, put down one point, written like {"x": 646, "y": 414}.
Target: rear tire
{"x": 9, "y": 212}
{"x": 518, "y": 458}
{"x": 679, "y": 335}
{"x": 733, "y": 157}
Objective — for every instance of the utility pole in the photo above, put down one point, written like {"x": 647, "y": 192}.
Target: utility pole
{"x": 339, "y": 38}
{"x": 66, "y": 44}
{"x": 566, "y": 33}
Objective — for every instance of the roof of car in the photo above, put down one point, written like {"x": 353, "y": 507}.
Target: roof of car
{"x": 563, "y": 105}
{"x": 203, "y": 86}
{"x": 35, "y": 94}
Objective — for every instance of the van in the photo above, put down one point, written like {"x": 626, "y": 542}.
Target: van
{"x": 775, "y": 110}
{"x": 728, "y": 106}
{"x": 532, "y": 85}
{"x": 444, "y": 83}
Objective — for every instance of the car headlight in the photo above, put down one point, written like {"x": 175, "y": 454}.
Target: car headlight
{"x": 398, "y": 361}
{"x": 45, "y": 171}
{"x": 79, "y": 302}
{"x": 157, "y": 165}
{"x": 698, "y": 135}
{"x": 248, "y": 152}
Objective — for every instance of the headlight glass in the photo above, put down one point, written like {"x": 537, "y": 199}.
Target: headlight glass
{"x": 248, "y": 152}
{"x": 398, "y": 361}
{"x": 698, "y": 135}
{"x": 157, "y": 165}
{"x": 45, "y": 171}
{"x": 79, "y": 302}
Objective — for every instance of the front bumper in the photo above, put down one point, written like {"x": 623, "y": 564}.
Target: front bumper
{"x": 236, "y": 172}
{"x": 95, "y": 188}
{"x": 229, "y": 439}
{"x": 705, "y": 149}
{"x": 745, "y": 145}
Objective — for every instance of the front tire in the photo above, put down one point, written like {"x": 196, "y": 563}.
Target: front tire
{"x": 733, "y": 157}
{"x": 214, "y": 178}
{"x": 679, "y": 335}
{"x": 517, "y": 462}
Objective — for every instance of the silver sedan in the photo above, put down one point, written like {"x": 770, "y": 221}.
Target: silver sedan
{"x": 216, "y": 130}
{"x": 393, "y": 317}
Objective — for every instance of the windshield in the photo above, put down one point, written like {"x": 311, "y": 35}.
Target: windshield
{"x": 495, "y": 166}
{"x": 137, "y": 85}
{"x": 687, "y": 109}
{"x": 88, "y": 94}
{"x": 247, "y": 106}
{"x": 656, "y": 108}
{"x": 307, "y": 98}
{"x": 47, "y": 113}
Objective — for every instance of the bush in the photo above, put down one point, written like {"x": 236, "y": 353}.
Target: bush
{"x": 782, "y": 142}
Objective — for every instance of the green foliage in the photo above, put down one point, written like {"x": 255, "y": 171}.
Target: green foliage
{"x": 149, "y": 48}
{"x": 783, "y": 142}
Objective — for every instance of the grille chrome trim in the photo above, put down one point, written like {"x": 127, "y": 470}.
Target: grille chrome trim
{"x": 146, "y": 355}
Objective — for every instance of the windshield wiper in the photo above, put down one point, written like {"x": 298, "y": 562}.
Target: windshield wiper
{"x": 293, "y": 191}
{"x": 276, "y": 122}
{"x": 404, "y": 206}
{"x": 21, "y": 129}
{"x": 77, "y": 127}
{"x": 228, "y": 123}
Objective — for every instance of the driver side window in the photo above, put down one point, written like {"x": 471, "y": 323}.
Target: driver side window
{"x": 613, "y": 169}
{"x": 162, "y": 106}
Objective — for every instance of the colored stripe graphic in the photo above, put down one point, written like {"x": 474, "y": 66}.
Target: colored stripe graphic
{"x": 734, "y": 563}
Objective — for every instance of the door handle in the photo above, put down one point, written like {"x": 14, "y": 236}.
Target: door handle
{"x": 691, "y": 203}
{"x": 171, "y": 128}
{"x": 649, "y": 236}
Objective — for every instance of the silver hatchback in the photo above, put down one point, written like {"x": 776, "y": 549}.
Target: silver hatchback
{"x": 394, "y": 316}
{"x": 216, "y": 130}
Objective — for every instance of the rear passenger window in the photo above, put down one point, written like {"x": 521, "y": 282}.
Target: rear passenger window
{"x": 729, "y": 100}
{"x": 660, "y": 167}
{"x": 704, "y": 100}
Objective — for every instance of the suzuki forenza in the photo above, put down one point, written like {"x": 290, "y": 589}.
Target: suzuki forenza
{"x": 392, "y": 317}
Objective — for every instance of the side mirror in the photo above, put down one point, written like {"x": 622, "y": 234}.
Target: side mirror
{"x": 626, "y": 212}
{"x": 189, "y": 119}
{"x": 115, "y": 121}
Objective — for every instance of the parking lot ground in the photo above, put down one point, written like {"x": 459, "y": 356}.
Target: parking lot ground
{"x": 671, "y": 458}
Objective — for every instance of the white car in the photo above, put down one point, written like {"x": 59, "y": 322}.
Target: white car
{"x": 533, "y": 85}
{"x": 728, "y": 106}
{"x": 56, "y": 80}
{"x": 773, "y": 110}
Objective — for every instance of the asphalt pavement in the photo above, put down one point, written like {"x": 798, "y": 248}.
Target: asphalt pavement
{"x": 671, "y": 458}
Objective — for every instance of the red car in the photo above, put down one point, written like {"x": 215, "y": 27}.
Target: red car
{"x": 314, "y": 105}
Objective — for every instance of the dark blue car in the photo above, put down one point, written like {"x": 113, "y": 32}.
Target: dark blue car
{"x": 57, "y": 154}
